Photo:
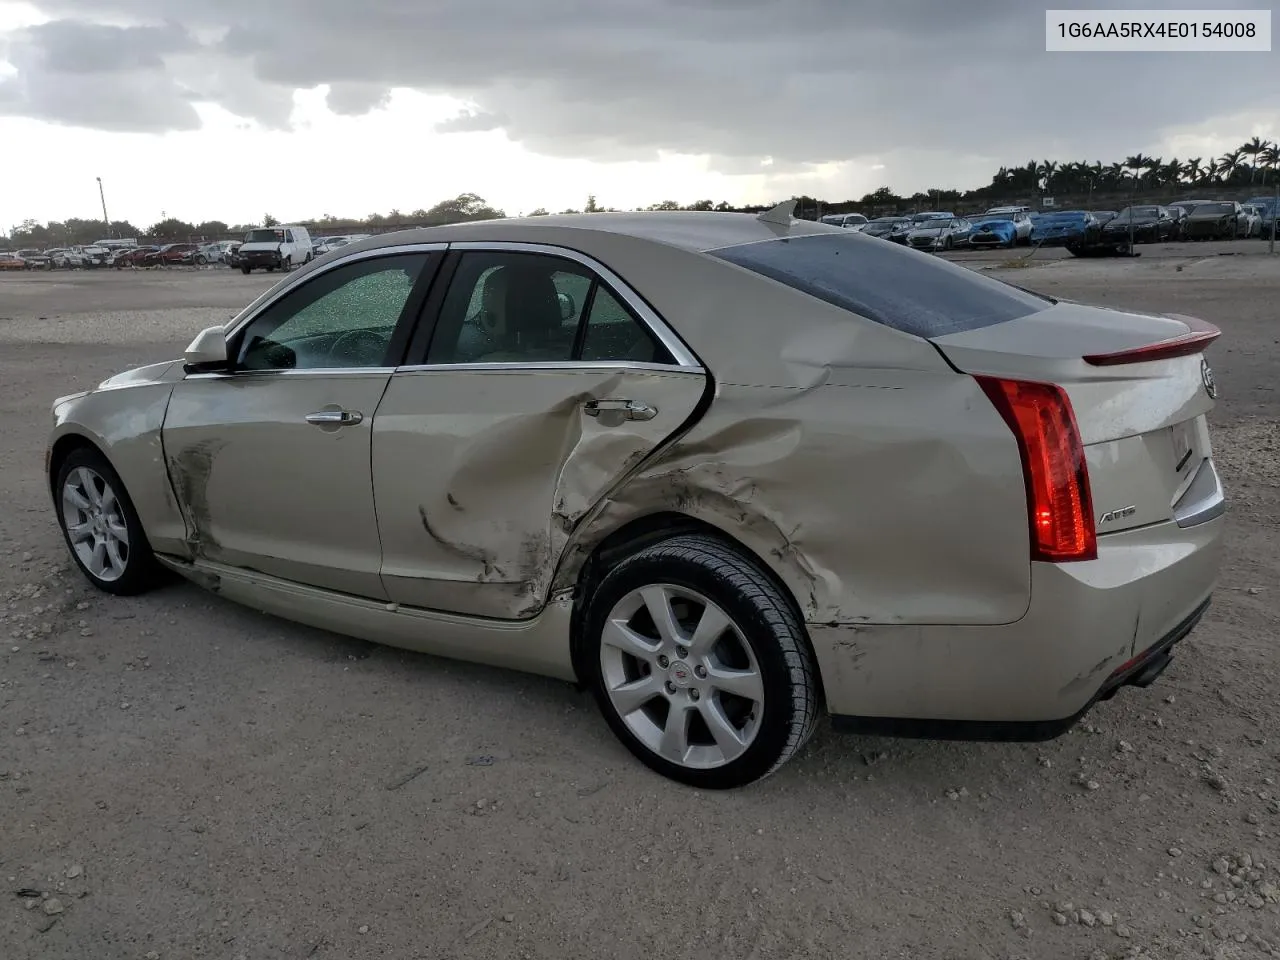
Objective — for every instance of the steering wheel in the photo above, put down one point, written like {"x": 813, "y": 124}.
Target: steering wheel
{"x": 358, "y": 348}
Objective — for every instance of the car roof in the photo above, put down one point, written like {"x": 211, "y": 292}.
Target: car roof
{"x": 695, "y": 231}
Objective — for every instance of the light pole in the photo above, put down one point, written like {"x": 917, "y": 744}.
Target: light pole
{"x": 103, "y": 197}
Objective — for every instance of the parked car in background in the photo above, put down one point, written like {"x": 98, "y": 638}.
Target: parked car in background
{"x": 937, "y": 234}
{"x": 35, "y": 259}
{"x": 993, "y": 230}
{"x": 1103, "y": 216}
{"x": 1258, "y": 225}
{"x": 215, "y": 252}
{"x": 855, "y": 221}
{"x": 883, "y": 226}
{"x": 9, "y": 260}
{"x": 173, "y": 254}
{"x": 275, "y": 248}
{"x": 1067, "y": 228}
{"x": 1019, "y": 216}
{"x": 1218, "y": 220}
{"x": 1147, "y": 223}
{"x": 1270, "y": 212}
{"x": 712, "y": 640}
{"x": 65, "y": 258}
{"x": 134, "y": 256}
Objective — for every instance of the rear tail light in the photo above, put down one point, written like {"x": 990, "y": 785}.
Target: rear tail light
{"x": 1059, "y": 503}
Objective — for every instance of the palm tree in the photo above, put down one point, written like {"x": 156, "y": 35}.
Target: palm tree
{"x": 1269, "y": 157}
{"x": 1252, "y": 149}
{"x": 1137, "y": 163}
{"x": 1193, "y": 171}
{"x": 1228, "y": 164}
{"x": 1047, "y": 170}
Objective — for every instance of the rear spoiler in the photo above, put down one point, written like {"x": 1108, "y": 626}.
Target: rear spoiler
{"x": 1196, "y": 340}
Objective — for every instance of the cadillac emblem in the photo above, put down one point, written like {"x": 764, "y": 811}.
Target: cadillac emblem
{"x": 1206, "y": 375}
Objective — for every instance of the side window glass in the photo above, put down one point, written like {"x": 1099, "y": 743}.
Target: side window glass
{"x": 344, "y": 317}
{"x": 612, "y": 333}
{"x": 288, "y": 236}
{"x": 510, "y": 308}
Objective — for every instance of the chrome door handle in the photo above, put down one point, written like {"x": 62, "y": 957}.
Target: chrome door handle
{"x": 629, "y": 409}
{"x": 335, "y": 418}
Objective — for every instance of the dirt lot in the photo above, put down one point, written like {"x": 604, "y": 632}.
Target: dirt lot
{"x": 191, "y": 779}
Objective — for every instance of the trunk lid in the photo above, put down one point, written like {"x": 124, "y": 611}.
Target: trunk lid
{"x": 1142, "y": 418}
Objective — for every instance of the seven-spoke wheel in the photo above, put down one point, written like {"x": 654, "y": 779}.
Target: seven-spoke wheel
{"x": 101, "y": 525}
{"x": 699, "y": 663}
{"x": 681, "y": 677}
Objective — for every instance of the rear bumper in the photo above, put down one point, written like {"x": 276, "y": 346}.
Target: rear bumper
{"x": 1139, "y": 671}
{"x": 1091, "y": 628}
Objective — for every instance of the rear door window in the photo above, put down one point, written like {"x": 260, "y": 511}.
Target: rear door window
{"x": 886, "y": 283}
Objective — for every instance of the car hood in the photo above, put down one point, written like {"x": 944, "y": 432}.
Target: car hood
{"x": 1139, "y": 222}
{"x": 996, "y": 225}
{"x": 1203, "y": 217}
{"x": 266, "y": 246}
{"x": 151, "y": 373}
{"x": 925, "y": 231}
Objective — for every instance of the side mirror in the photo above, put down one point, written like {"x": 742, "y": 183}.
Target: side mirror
{"x": 207, "y": 353}
{"x": 567, "y": 306}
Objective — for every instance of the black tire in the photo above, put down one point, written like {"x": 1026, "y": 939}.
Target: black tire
{"x": 201, "y": 259}
{"x": 141, "y": 570}
{"x": 246, "y": 270}
{"x": 768, "y": 623}
{"x": 287, "y": 267}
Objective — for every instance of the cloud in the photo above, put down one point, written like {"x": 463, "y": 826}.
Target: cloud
{"x": 471, "y": 121}
{"x": 805, "y": 82}
{"x": 98, "y": 75}
{"x": 356, "y": 99}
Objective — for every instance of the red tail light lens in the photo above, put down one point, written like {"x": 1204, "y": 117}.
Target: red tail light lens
{"x": 1053, "y": 465}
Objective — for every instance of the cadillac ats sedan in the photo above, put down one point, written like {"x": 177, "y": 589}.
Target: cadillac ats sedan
{"x": 731, "y": 473}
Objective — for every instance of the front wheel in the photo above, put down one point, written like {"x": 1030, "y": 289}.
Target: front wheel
{"x": 101, "y": 526}
{"x": 699, "y": 664}
{"x": 246, "y": 270}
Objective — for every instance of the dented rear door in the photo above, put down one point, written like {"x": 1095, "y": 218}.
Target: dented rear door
{"x": 481, "y": 474}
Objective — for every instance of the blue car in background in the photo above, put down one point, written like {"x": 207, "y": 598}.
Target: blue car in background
{"x": 993, "y": 230}
{"x": 1066, "y": 228}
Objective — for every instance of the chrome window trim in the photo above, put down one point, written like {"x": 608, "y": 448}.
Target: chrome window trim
{"x": 684, "y": 358}
{"x": 308, "y": 372}
{"x": 571, "y": 366}
{"x": 259, "y": 306}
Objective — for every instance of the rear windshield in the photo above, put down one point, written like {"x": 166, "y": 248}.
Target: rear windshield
{"x": 890, "y": 284}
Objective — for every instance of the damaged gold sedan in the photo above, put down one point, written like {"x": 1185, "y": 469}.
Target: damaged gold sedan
{"x": 726, "y": 471}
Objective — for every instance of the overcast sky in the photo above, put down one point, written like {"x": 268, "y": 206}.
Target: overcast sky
{"x": 300, "y": 108}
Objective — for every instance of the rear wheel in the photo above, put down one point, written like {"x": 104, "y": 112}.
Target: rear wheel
{"x": 101, "y": 526}
{"x": 246, "y": 270}
{"x": 699, "y": 664}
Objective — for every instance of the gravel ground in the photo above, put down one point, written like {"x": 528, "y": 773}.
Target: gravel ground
{"x": 182, "y": 778}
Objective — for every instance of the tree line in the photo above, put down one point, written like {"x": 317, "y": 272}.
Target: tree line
{"x": 1248, "y": 166}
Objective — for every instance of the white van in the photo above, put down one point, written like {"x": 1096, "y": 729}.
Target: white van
{"x": 285, "y": 247}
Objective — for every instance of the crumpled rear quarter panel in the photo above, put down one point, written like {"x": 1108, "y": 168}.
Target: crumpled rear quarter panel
{"x": 879, "y": 496}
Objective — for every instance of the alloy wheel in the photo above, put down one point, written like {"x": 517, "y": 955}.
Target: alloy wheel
{"x": 95, "y": 523}
{"x": 681, "y": 676}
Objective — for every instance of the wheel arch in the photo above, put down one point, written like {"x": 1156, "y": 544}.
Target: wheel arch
{"x": 62, "y": 447}
{"x": 641, "y": 532}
